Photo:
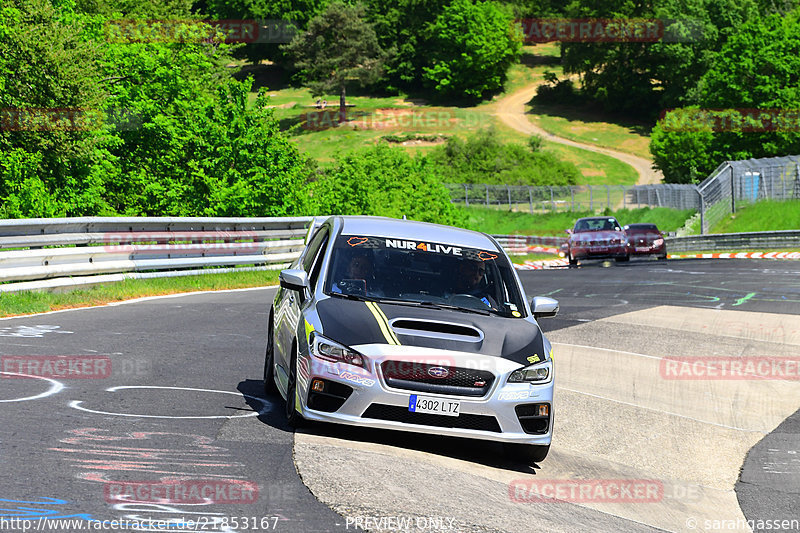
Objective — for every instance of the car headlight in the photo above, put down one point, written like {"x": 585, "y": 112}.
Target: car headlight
{"x": 329, "y": 350}
{"x": 538, "y": 373}
{"x": 658, "y": 242}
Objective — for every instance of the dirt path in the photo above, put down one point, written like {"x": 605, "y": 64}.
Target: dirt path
{"x": 511, "y": 110}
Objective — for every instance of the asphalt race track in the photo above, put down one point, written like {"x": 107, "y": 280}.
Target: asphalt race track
{"x": 168, "y": 411}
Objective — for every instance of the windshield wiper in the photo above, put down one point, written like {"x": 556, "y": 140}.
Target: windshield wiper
{"x": 436, "y": 305}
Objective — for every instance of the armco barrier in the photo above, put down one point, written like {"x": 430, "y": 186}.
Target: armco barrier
{"x": 757, "y": 240}
{"x": 67, "y": 252}
{"x": 62, "y": 252}
{"x": 760, "y": 240}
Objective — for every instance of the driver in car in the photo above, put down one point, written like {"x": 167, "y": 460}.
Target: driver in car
{"x": 359, "y": 277}
{"x": 469, "y": 281}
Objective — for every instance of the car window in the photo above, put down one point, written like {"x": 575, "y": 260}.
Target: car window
{"x": 422, "y": 271}
{"x": 312, "y": 251}
{"x": 317, "y": 264}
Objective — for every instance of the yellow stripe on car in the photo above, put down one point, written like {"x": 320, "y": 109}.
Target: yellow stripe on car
{"x": 383, "y": 323}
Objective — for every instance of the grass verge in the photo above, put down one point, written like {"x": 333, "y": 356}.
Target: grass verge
{"x": 28, "y": 302}
{"x": 767, "y": 215}
{"x": 505, "y": 222}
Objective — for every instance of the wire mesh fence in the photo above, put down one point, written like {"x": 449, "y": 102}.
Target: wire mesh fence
{"x": 593, "y": 198}
{"x": 732, "y": 184}
{"x": 737, "y": 183}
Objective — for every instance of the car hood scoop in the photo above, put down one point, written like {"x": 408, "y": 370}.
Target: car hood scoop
{"x": 352, "y": 323}
{"x": 436, "y": 329}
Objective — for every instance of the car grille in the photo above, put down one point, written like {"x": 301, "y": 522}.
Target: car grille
{"x": 419, "y": 377}
{"x": 397, "y": 413}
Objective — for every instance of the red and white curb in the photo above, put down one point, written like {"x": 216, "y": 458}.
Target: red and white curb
{"x": 538, "y": 265}
{"x": 739, "y": 255}
{"x": 557, "y": 263}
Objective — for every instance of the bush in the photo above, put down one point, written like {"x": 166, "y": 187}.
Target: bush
{"x": 384, "y": 181}
{"x": 483, "y": 158}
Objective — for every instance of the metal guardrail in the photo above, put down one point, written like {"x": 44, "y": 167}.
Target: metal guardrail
{"x": 40, "y": 254}
{"x": 65, "y": 252}
{"x": 757, "y": 240}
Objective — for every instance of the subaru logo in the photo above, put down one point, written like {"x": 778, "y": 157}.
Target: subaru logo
{"x": 438, "y": 372}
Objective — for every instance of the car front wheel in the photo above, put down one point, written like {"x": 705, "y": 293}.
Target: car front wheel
{"x": 269, "y": 362}
{"x": 294, "y": 418}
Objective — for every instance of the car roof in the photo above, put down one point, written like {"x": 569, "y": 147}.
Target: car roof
{"x": 596, "y": 218}
{"x": 414, "y": 231}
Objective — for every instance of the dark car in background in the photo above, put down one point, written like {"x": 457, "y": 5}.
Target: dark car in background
{"x": 597, "y": 238}
{"x": 645, "y": 239}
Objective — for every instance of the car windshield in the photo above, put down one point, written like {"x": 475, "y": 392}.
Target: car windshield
{"x": 596, "y": 224}
{"x": 423, "y": 273}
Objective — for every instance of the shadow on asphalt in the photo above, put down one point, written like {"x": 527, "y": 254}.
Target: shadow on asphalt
{"x": 475, "y": 451}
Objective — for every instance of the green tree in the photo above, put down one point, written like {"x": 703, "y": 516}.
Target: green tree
{"x": 385, "y": 181}
{"x": 748, "y": 103}
{"x": 338, "y": 48}
{"x": 472, "y": 45}
{"x": 294, "y": 12}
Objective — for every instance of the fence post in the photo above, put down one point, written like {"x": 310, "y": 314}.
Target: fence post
{"x": 530, "y": 198}
{"x": 487, "y": 196}
{"x": 702, "y": 210}
{"x": 624, "y": 197}
{"x": 552, "y": 201}
{"x": 591, "y": 199}
{"x": 466, "y": 194}
{"x": 608, "y": 196}
{"x": 733, "y": 193}
{"x": 572, "y": 192}
{"x": 508, "y": 189}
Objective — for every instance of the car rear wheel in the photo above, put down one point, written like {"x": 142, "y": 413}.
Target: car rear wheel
{"x": 294, "y": 418}
{"x": 269, "y": 361}
{"x": 526, "y": 453}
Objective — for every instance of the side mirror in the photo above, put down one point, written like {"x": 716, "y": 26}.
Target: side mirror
{"x": 568, "y": 231}
{"x": 294, "y": 279}
{"x": 544, "y": 307}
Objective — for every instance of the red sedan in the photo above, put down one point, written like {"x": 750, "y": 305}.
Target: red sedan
{"x": 645, "y": 239}
{"x": 597, "y": 238}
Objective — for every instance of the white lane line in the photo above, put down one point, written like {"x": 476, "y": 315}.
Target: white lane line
{"x": 76, "y": 404}
{"x": 55, "y": 387}
{"x": 607, "y": 350}
{"x": 137, "y": 300}
{"x": 664, "y": 412}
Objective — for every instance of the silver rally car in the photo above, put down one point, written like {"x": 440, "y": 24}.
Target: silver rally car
{"x": 415, "y": 327}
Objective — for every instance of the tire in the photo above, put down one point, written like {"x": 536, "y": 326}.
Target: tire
{"x": 294, "y": 418}
{"x": 572, "y": 260}
{"x": 623, "y": 258}
{"x": 526, "y": 453}
{"x": 270, "y": 389}
{"x": 663, "y": 257}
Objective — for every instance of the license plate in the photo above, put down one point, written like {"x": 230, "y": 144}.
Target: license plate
{"x": 642, "y": 249}
{"x": 434, "y": 406}
{"x": 598, "y": 249}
